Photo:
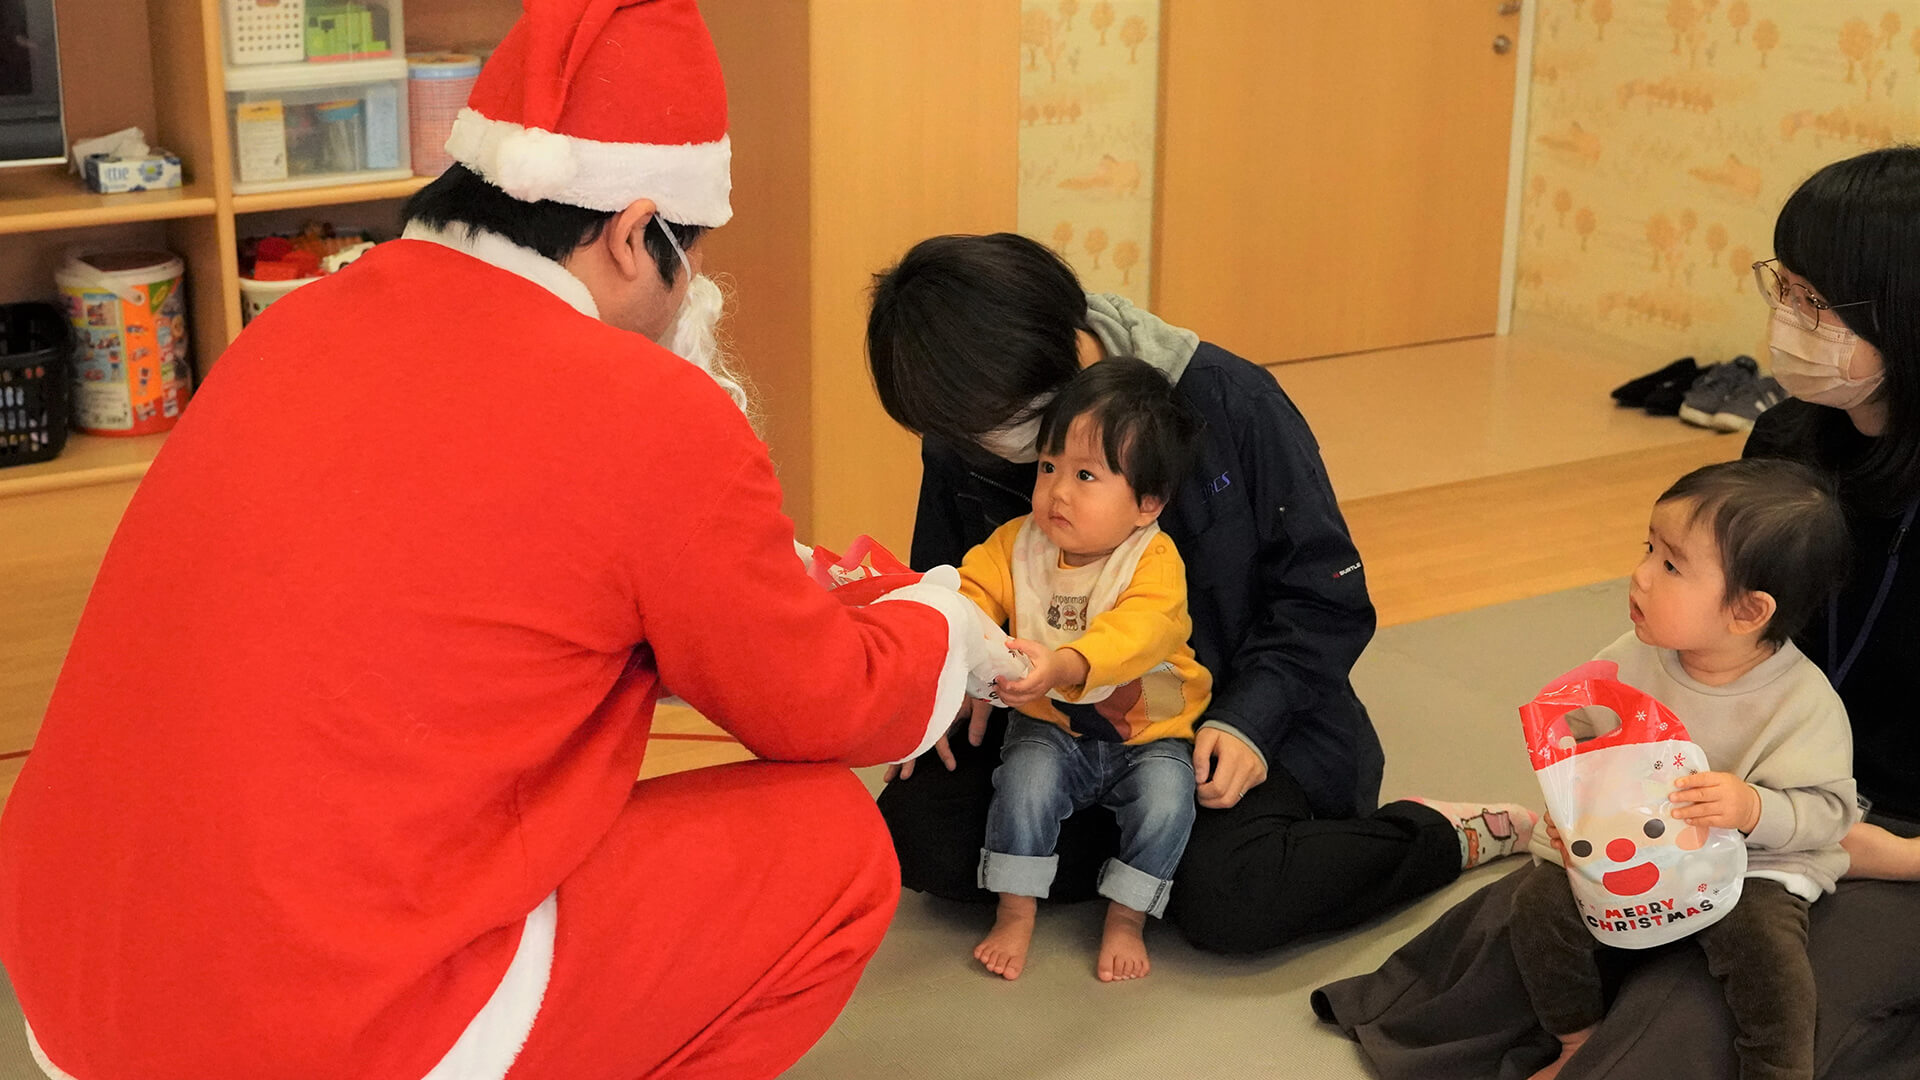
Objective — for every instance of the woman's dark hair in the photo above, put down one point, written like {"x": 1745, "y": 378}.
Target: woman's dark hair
{"x": 460, "y": 196}
{"x": 966, "y": 331}
{"x": 1146, "y": 431}
{"x": 1780, "y": 530}
{"x": 1853, "y": 231}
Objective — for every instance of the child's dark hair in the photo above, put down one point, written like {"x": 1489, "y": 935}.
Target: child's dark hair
{"x": 1780, "y": 530}
{"x": 1147, "y": 433}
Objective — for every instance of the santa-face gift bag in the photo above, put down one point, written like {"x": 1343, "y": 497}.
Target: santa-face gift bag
{"x": 1640, "y": 876}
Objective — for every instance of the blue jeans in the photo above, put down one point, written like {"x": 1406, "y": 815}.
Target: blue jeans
{"x": 1046, "y": 774}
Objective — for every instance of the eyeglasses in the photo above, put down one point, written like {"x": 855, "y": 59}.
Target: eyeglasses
{"x": 1791, "y": 296}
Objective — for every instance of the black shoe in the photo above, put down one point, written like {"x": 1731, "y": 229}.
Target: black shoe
{"x": 1633, "y": 394}
{"x": 1669, "y": 394}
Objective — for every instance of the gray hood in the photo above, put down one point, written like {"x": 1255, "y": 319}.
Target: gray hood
{"x": 1125, "y": 330}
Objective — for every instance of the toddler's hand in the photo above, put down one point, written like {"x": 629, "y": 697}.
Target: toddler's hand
{"x": 1716, "y": 800}
{"x": 1035, "y": 683}
{"x": 1553, "y": 833}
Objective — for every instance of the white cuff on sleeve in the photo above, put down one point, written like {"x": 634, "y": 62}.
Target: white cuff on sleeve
{"x": 938, "y": 589}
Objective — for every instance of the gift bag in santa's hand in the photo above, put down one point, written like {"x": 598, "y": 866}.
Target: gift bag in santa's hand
{"x": 869, "y": 571}
{"x": 1641, "y": 877}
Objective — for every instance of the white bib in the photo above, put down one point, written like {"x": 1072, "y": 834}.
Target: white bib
{"x": 1054, "y": 605}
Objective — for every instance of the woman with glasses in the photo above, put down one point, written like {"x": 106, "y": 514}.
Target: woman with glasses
{"x": 1844, "y": 289}
{"x": 1844, "y": 296}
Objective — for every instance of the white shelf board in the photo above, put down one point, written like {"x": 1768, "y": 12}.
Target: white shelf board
{"x": 311, "y": 75}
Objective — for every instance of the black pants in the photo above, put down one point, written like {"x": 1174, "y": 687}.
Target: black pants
{"x": 1254, "y": 877}
{"x": 1757, "y": 952}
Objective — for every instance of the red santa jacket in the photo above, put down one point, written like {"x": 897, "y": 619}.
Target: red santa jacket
{"x": 370, "y": 665}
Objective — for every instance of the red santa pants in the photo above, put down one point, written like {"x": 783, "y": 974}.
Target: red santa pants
{"x": 718, "y": 929}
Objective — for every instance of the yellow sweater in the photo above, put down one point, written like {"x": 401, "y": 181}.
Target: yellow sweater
{"x": 1138, "y": 646}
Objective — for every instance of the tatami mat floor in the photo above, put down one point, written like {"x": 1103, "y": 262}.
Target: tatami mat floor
{"x": 1444, "y": 694}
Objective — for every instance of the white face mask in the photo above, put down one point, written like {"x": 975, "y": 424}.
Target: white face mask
{"x": 1019, "y": 443}
{"x": 1829, "y": 366}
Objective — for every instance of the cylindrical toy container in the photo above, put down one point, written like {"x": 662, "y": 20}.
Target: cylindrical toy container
{"x": 437, "y": 89}
{"x": 256, "y": 295}
{"x": 129, "y": 316}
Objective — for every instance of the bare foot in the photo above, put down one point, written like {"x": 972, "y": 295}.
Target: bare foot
{"x": 1568, "y": 1044}
{"x": 1123, "y": 949}
{"x": 1004, "y": 950}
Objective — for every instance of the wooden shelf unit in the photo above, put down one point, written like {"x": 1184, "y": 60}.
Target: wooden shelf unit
{"x": 87, "y": 461}
{"x": 48, "y": 198}
{"x": 167, "y": 76}
{"x": 338, "y": 195}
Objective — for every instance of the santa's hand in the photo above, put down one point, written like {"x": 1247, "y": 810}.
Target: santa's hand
{"x": 1716, "y": 800}
{"x": 973, "y": 713}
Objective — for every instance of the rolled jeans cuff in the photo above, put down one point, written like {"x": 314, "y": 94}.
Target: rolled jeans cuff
{"x": 1137, "y": 889}
{"x": 1021, "y": 875}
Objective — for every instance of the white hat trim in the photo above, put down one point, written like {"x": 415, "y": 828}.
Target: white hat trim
{"x": 690, "y": 183}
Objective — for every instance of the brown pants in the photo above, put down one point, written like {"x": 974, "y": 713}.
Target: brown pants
{"x": 1758, "y": 952}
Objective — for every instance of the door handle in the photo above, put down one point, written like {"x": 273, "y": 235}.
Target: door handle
{"x": 1503, "y": 45}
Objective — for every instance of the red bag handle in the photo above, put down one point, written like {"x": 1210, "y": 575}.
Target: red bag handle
{"x": 1643, "y": 718}
{"x": 865, "y": 549}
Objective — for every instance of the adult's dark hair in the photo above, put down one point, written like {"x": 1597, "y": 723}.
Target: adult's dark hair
{"x": 460, "y": 197}
{"x": 1146, "y": 431}
{"x": 1853, "y": 231}
{"x": 1780, "y": 531}
{"x": 967, "y": 331}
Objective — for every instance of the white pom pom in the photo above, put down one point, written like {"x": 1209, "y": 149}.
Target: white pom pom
{"x": 535, "y": 164}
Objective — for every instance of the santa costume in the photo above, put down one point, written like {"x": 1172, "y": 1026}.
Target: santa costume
{"x": 338, "y": 779}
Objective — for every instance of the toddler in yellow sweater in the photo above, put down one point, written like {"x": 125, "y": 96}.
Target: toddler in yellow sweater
{"x": 1095, "y": 596}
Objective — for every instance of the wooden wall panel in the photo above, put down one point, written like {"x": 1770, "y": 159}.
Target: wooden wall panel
{"x": 762, "y": 254}
{"x": 106, "y": 67}
{"x": 915, "y": 132}
{"x": 1333, "y": 176}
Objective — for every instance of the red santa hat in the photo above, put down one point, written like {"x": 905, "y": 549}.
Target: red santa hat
{"x": 597, "y": 103}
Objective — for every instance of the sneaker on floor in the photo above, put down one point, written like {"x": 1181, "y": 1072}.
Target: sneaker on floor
{"x": 1487, "y": 831}
{"x": 1667, "y": 394}
{"x": 1633, "y": 393}
{"x": 1721, "y": 383}
{"x": 1741, "y": 409}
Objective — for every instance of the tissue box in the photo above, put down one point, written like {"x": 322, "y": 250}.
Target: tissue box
{"x": 110, "y": 175}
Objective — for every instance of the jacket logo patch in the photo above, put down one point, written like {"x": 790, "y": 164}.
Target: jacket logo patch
{"x": 1067, "y": 612}
{"x": 1338, "y": 574}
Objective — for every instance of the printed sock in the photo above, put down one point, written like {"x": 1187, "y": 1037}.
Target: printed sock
{"x": 1487, "y": 831}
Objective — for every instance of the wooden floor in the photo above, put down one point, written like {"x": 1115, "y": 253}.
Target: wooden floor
{"x": 1471, "y": 473}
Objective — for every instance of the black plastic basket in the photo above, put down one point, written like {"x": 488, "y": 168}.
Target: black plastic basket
{"x": 33, "y": 383}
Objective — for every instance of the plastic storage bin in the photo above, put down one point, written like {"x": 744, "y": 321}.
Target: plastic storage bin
{"x": 312, "y": 31}
{"x": 33, "y": 383}
{"x": 437, "y": 89}
{"x": 318, "y": 129}
{"x": 266, "y": 31}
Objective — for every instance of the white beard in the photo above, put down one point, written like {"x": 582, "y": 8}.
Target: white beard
{"x": 694, "y": 336}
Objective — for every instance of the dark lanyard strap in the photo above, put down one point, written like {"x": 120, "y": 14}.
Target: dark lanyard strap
{"x": 1873, "y": 610}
